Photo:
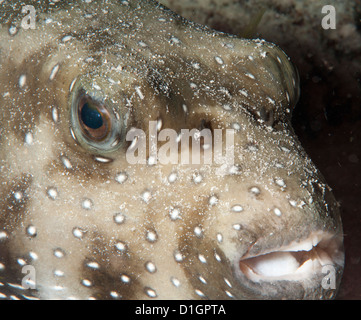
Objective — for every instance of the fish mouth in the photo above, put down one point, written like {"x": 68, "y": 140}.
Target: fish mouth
{"x": 299, "y": 260}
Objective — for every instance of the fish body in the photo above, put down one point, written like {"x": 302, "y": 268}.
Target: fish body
{"x": 90, "y": 223}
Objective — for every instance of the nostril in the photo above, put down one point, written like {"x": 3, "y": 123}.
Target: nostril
{"x": 267, "y": 116}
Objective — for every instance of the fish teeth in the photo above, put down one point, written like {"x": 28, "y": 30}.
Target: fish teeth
{"x": 293, "y": 262}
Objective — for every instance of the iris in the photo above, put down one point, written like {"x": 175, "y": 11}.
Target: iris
{"x": 91, "y": 117}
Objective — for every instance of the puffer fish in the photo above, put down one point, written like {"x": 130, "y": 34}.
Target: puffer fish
{"x": 78, "y": 220}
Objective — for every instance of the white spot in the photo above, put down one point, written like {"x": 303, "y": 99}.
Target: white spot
{"x": 13, "y": 30}
{"x": 196, "y": 65}
{"x": 60, "y": 288}
{"x": 280, "y": 182}
{"x": 178, "y": 256}
{"x": 293, "y": 203}
{"x": 213, "y": 200}
{"x": 185, "y": 108}
{"x": 271, "y": 100}
{"x": 55, "y": 114}
{"x": 151, "y": 161}
{"x": 198, "y": 231}
{"x": 78, "y": 232}
{"x": 228, "y": 45}
{"x": 102, "y": 159}
{"x": 237, "y": 208}
{"x": 119, "y": 218}
{"x": 193, "y": 85}
{"x": 202, "y": 258}
{"x": 146, "y": 196}
{"x": 121, "y": 177}
{"x": 121, "y": 246}
{"x": 172, "y": 177}
{"x": 142, "y": 44}
{"x": 59, "y": 273}
{"x": 201, "y": 279}
{"x": 150, "y": 293}
{"x": 22, "y": 81}
{"x": 159, "y": 124}
{"x": 175, "y": 214}
{"x": 279, "y": 165}
{"x": 152, "y": 236}
{"x": 21, "y": 262}
{"x": 284, "y": 149}
{"x": 197, "y": 178}
{"x": 93, "y": 265}
{"x": 229, "y": 294}
{"x": 250, "y": 75}
{"x": 243, "y": 92}
{"x": 67, "y": 164}
{"x": 255, "y": 190}
{"x": 59, "y": 253}
{"x": 175, "y": 282}
{"x": 139, "y": 92}
{"x": 236, "y": 169}
{"x": 29, "y": 139}
{"x": 219, "y": 60}
{"x": 175, "y": 40}
{"x": 150, "y": 266}
{"x": 199, "y": 292}
{"x": 66, "y": 38}
{"x": 236, "y": 126}
{"x": 87, "y": 204}
{"x": 96, "y": 87}
{"x": 89, "y": 59}
{"x": 237, "y": 226}
{"x": 86, "y": 283}
{"x": 114, "y": 295}
{"x": 219, "y": 237}
{"x": 227, "y": 107}
{"x": 54, "y": 71}
{"x": 18, "y": 195}
{"x": 31, "y": 231}
{"x": 277, "y": 212}
{"x": 227, "y": 282}
{"x": 3, "y": 235}
{"x": 125, "y": 278}
{"x": 52, "y": 193}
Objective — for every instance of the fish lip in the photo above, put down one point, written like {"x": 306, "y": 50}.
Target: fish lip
{"x": 296, "y": 261}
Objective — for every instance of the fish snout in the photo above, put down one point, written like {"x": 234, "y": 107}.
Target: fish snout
{"x": 297, "y": 260}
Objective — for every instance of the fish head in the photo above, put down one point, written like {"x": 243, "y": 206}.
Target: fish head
{"x": 144, "y": 156}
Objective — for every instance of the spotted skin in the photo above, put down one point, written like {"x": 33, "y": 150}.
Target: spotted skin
{"x": 95, "y": 226}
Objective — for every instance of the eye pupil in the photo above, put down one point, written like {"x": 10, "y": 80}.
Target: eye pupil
{"x": 91, "y": 117}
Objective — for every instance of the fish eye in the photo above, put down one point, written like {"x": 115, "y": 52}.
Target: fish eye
{"x": 98, "y": 122}
{"x": 94, "y": 119}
